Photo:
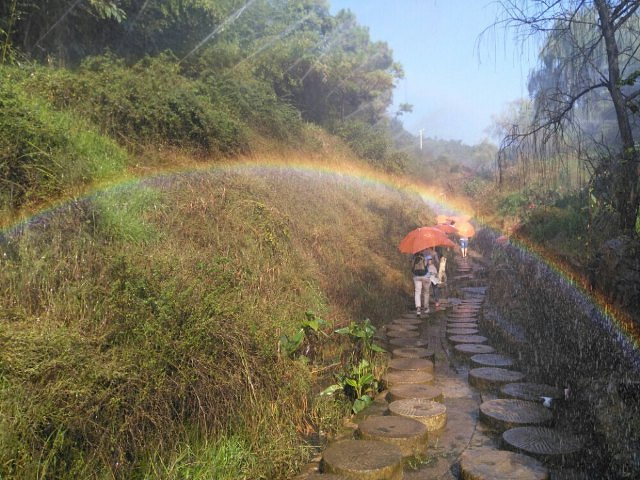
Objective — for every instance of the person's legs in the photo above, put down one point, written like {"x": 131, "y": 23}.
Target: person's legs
{"x": 417, "y": 292}
{"x": 426, "y": 291}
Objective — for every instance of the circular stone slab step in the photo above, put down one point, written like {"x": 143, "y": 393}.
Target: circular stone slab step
{"x": 468, "y": 349}
{"x": 492, "y": 378}
{"x": 414, "y": 352}
{"x": 462, "y": 331}
{"x": 462, "y": 320}
{"x": 491, "y": 360}
{"x": 403, "y": 323}
{"x": 409, "y": 435}
{"x": 403, "y": 333}
{"x": 504, "y": 413}
{"x": 546, "y": 444}
{"x": 432, "y": 414}
{"x": 321, "y": 476}
{"x": 368, "y": 459}
{"x": 401, "y": 377}
{"x": 469, "y": 302}
{"x": 401, "y": 328}
{"x": 487, "y": 464}
{"x": 411, "y": 364}
{"x": 462, "y": 325}
{"x": 427, "y": 392}
{"x": 467, "y": 339}
{"x": 407, "y": 321}
{"x": 410, "y": 315}
{"x": 408, "y": 342}
{"x": 466, "y": 309}
{"x": 532, "y": 392}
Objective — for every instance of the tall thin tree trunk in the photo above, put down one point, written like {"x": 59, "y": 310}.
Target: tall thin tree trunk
{"x": 627, "y": 172}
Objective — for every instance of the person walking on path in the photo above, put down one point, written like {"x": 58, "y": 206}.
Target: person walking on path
{"x": 434, "y": 280}
{"x": 464, "y": 245}
{"x": 421, "y": 282}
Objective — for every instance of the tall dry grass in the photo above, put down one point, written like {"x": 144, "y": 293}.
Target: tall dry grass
{"x": 140, "y": 325}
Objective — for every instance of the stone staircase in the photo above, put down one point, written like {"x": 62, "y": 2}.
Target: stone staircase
{"x": 454, "y": 407}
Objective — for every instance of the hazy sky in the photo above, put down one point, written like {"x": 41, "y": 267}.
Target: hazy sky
{"x": 454, "y": 83}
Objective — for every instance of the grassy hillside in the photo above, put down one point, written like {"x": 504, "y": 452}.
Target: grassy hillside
{"x": 141, "y": 324}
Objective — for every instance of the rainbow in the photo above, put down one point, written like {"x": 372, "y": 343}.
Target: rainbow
{"x": 626, "y": 333}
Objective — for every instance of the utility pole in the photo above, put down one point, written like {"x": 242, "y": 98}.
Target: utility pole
{"x": 421, "y": 130}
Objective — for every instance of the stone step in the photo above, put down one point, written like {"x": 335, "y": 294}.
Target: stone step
{"x": 466, "y": 309}
{"x": 401, "y": 377}
{"x": 462, "y": 331}
{"x": 467, "y": 339}
{"x": 492, "y": 360}
{"x": 403, "y": 333}
{"x": 462, "y": 325}
{"x": 462, "y": 320}
{"x": 414, "y": 352}
{"x": 469, "y": 349}
{"x": 489, "y": 464}
{"x": 394, "y": 327}
{"x": 455, "y": 313}
{"x": 490, "y": 379}
{"x": 407, "y": 321}
{"x": 407, "y": 342}
{"x": 410, "y": 364}
{"x": 409, "y": 435}
{"x": 427, "y": 392}
{"x": 533, "y": 392}
{"x": 432, "y": 414}
{"x": 366, "y": 459}
{"x": 504, "y": 413}
{"x": 546, "y": 444}
{"x": 321, "y": 476}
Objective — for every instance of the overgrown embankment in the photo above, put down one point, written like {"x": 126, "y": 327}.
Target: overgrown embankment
{"x": 563, "y": 337}
{"x": 140, "y": 325}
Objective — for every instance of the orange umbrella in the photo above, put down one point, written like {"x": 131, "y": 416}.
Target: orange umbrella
{"x": 446, "y": 228}
{"x": 424, "y": 237}
{"x": 465, "y": 229}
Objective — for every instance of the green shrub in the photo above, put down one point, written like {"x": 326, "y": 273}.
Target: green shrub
{"x": 147, "y": 103}
{"x": 553, "y": 223}
{"x": 366, "y": 141}
{"x": 256, "y": 103}
{"x": 44, "y": 152}
{"x": 512, "y": 204}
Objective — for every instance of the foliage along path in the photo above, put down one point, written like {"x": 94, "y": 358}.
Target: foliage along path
{"x": 454, "y": 406}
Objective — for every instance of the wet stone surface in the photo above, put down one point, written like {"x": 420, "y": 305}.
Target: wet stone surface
{"x": 469, "y": 444}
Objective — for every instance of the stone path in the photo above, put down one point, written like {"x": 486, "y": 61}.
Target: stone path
{"x": 450, "y": 400}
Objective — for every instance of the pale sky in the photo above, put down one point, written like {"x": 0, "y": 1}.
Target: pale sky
{"x": 454, "y": 83}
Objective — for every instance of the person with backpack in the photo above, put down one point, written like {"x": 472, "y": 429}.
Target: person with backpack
{"x": 421, "y": 282}
{"x": 432, "y": 273}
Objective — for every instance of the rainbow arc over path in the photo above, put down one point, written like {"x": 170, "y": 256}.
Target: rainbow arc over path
{"x": 625, "y": 333}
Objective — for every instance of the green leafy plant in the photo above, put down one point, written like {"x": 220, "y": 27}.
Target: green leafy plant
{"x": 309, "y": 328}
{"x": 358, "y": 383}
{"x": 290, "y": 345}
{"x": 362, "y": 333}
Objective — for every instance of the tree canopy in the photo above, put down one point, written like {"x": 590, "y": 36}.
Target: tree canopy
{"x": 585, "y": 89}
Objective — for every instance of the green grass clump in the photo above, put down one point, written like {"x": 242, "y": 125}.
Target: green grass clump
{"x": 141, "y": 326}
{"x": 119, "y": 213}
{"x": 43, "y": 152}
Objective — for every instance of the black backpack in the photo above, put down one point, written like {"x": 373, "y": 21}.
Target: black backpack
{"x": 419, "y": 265}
